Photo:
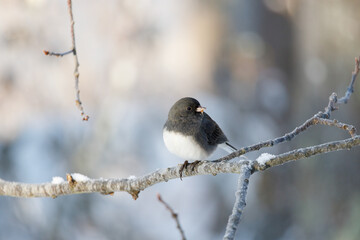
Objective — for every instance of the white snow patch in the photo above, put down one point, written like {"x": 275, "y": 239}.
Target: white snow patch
{"x": 132, "y": 177}
{"x": 57, "y": 180}
{"x": 79, "y": 177}
{"x": 264, "y": 157}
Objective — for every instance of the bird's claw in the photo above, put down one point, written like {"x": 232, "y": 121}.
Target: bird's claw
{"x": 185, "y": 165}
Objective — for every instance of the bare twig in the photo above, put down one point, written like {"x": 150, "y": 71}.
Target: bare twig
{"x": 289, "y": 136}
{"x": 333, "y": 99}
{"x": 76, "y": 71}
{"x": 350, "y": 88}
{"x": 77, "y": 64}
{"x": 347, "y": 127}
{"x": 174, "y": 216}
{"x": 57, "y": 54}
{"x": 239, "y": 204}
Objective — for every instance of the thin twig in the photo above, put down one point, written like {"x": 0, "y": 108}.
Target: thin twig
{"x": 347, "y": 127}
{"x": 350, "y": 89}
{"x": 289, "y": 136}
{"x": 57, "y": 54}
{"x": 76, "y": 70}
{"x": 77, "y": 64}
{"x": 174, "y": 216}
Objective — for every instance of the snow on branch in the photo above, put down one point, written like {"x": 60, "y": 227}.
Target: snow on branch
{"x": 301, "y": 153}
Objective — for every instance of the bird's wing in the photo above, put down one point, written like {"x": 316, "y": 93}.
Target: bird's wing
{"x": 213, "y": 132}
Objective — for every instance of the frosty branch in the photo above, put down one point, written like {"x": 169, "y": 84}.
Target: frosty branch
{"x": 135, "y": 185}
{"x": 240, "y": 203}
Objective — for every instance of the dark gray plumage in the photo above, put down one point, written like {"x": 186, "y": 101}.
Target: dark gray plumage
{"x": 190, "y": 133}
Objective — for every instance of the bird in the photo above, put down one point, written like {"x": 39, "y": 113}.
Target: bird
{"x": 191, "y": 134}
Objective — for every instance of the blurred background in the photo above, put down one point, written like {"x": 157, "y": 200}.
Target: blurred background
{"x": 260, "y": 67}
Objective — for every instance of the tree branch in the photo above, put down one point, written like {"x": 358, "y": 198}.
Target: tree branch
{"x": 239, "y": 204}
{"x": 319, "y": 118}
{"x": 297, "y": 154}
{"x": 135, "y": 185}
{"x": 315, "y": 120}
{"x": 131, "y": 185}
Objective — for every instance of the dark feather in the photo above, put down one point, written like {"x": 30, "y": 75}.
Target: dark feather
{"x": 214, "y": 134}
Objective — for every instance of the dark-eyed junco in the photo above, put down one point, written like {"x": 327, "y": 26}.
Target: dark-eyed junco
{"x": 191, "y": 134}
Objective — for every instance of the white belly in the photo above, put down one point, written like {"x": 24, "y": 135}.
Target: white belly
{"x": 183, "y": 146}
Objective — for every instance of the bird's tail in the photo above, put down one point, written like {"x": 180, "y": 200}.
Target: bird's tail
{"x": 228, "y": 147}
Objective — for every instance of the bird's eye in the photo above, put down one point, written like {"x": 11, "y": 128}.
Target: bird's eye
{"x": 189, "y": 108}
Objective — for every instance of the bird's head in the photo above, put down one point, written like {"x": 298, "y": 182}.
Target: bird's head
{"x": 185, "y": 108}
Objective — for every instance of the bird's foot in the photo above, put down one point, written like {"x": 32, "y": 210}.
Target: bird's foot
{"x": 185, "y": 165}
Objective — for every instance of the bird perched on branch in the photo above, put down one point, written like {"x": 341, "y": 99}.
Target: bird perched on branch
{"x": 191, "y": 134}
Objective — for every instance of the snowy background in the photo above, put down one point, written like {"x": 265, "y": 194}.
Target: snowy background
{"x": 260, "y": 67}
